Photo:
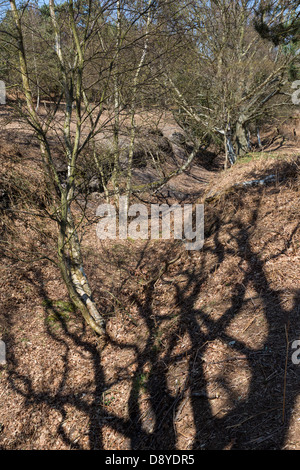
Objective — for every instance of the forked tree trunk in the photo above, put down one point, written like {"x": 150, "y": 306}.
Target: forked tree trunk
{"x": 69, "y": 255}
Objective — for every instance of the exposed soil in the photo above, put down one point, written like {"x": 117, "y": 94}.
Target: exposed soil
{"x": 199, "y": 354}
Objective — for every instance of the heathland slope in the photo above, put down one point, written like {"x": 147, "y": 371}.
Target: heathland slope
{"x": 200, "y": 344}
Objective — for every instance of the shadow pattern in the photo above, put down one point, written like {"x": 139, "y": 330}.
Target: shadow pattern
{"x": 254, "y": 421}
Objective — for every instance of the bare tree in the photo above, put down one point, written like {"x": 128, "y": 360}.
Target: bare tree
{"x": 71, "y": 73}
{"x": 230, "y": 75}
{"x": 100, "y": 60}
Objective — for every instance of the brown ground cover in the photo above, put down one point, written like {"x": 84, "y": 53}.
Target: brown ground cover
{"x": 199, "y": 354}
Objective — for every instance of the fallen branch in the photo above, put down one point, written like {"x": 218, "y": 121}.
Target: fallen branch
{"x": 259, "y": 182}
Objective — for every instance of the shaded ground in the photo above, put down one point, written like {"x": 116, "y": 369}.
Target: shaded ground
{"x": 199, "y": 355}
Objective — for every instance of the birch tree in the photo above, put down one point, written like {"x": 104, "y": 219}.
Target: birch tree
{"x": 97, "y": 51}
{"x": 71, "y": 74}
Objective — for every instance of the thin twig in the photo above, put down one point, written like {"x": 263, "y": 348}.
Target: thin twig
{"x": 285, "y": 372}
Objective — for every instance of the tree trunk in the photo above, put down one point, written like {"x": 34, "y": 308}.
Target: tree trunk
{"x": 241, "y": 138}
{"x": 258, "y": 138}
{"x": 71, "y": 267}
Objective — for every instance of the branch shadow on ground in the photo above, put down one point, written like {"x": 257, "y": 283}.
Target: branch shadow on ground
{"x": 253, "y": 421}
